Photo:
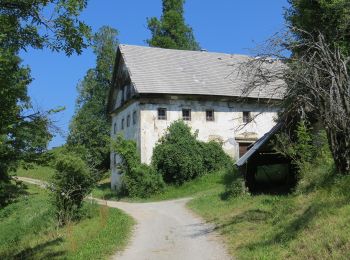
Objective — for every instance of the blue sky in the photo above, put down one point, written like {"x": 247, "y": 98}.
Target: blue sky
{"x": 230, "y": 26}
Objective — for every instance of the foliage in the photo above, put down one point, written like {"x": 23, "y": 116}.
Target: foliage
{"x": 29, "y": 231}
{"x": 331, "y": 17}
{"x": 138, "y": 180}
{"x": 72, "y": 182}
{"x": 178, "y": 155}
{"x": 214, "y": 157}
{"x": 24, "y": 132}
{"x": 234, "y": 184}
{"x": 90, "y": 126}
{"x": 170, "y": 31}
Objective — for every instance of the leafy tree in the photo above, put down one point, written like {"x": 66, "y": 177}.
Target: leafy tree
{"x": 331, "y": 17}
{"x": 90, "y": 125}
{"x": 23, "y": 132}
{"x": 170, "y": 31}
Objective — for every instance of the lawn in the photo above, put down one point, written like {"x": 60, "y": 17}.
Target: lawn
{"x": 44, "y": 173}
{"x": 200, "y": 186}
{"x": 315, "y": 225}
{"x": 29, "y": 230}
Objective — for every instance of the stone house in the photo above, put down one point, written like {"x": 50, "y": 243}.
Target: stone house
{"x": 152, "y": 87}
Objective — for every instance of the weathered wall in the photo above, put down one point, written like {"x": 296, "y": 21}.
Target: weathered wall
{"x": 227, "y": 127}
{"x": 130, "y": 133}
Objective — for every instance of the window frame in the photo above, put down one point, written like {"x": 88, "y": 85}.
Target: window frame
{"x": 186, "y": 118}
{"x": 134, "y": 115}
{"x": 212, "y": 118}
{"x": 128, "y": 120}
{"x": 162, "y": 117}
{"x": 246, "y": 117}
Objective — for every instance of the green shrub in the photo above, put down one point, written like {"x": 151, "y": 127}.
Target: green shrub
{"x": 138, "y": 180}
{"x": 72, "y": 182}
{"x": 234, "y": 183}
{"x": 178, "y": 155}
{"x": 214, "y": 157}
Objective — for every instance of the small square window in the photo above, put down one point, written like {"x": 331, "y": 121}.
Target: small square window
{"x": 128, "y": 121}
{"x": 123, "y": 123}
{"x": 115, "y": 128}
{"x": 210, "y": 115}
{"x": 162, "y": 114}
{"x": 134, "y": 117}
{"x": 247, "y": 116}
{"x": 186, "y": 114}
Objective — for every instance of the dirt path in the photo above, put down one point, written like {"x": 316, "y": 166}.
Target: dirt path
{"x": 166, "y": 230}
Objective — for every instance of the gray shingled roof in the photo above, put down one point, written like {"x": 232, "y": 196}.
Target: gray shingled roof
{"x": 166, "y": 71}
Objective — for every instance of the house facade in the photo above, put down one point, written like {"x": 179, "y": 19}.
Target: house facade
{"x": 153, "y": 87}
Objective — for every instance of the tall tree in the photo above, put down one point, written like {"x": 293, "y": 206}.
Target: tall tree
{"x": 330, "y": 17}
{"x": 90, "y": 125}
{"x": 171, "y": 31}
{"x": 23, "y": 132}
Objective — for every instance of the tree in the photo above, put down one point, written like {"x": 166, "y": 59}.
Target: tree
{"x": 24, "y": 132}
{"x": 90, "y": 125}
{"x": 316, "y": 86}
{"x": 170, "y": 31}
{"x": 331, "y": 17}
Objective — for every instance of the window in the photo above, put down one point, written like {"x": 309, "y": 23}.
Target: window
{"x": 115, "y": 128}
{"x": 210, "y": 115}
{"x": 134, "y": 117}
{"x": 161, "y": 113}
{"x": 186, "y": 114}
{"x": 122, "y": 123}
{"x": 128, "y": 121}
{"x": 246, "y": 117}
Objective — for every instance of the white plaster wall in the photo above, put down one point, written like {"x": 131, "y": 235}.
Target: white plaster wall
{"x": 130, "y": 133}
{"x": 228, "y": 123}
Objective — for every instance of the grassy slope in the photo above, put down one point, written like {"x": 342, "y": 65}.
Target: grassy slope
{"x": 310, "y": 226}
{"x": 28, "y": 230}
{"x": 44, "y": 173}
{"x": 203, "y": 185}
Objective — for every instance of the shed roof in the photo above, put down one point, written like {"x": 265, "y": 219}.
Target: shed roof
{"x": 168, "y": 71}
{"x": 258, "y": 144}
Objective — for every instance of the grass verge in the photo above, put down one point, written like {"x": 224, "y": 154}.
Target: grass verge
{"x": 29, "y": 231}
{"x": 44, "y": 173}
{"x": 315, "y": 225}
{"x": 200, "y": 186}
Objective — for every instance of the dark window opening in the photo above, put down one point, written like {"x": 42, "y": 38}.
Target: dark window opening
{"x": 134, "y": 117}
{"x": 128, "y": 121}
{"x": 115, "y": 128}
{"x": 162, "y": 114}
{"x": 186, "y": 114}
{"x": 123, "y": 96}
{"x": 210, "y": 115}
{"x": 247, "y": 116}
{"x": 122, "y": 123}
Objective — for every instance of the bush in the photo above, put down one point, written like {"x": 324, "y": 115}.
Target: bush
{"x": 214, "y": 157}
{"x": 138, "y": 180}
{"x": 234, "y": 184}
{"x": 72, "y": 182}
{"x": 178, "y": 155}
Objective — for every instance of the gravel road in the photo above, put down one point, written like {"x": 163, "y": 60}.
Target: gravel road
{"x": 168, "y": 230}
{"x": 165, "y": 230}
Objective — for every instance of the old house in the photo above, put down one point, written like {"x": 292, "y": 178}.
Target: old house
{"x": 152, "y": 87}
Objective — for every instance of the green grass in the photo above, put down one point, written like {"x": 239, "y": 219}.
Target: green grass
{"x": 44, "y": 173}
{"x": 29, "y": 230}
{"x": 315, "y": 225}
{"x": 202, "y": 185}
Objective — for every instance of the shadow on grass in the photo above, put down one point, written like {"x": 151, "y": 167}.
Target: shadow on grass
{"x": 40, "y": 251}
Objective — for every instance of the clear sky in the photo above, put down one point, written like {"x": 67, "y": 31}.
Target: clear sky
{"x": 229, "y": 26}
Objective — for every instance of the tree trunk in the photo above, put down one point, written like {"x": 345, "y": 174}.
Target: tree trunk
{"x": 339, "y": 144}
